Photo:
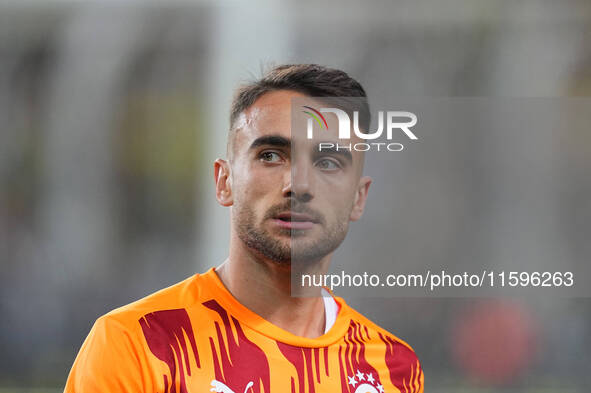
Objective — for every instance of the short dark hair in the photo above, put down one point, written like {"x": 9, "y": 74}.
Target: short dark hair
{"x": 310, "y": 79}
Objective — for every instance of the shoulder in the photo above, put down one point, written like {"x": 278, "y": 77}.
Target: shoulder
{"x": 181, "y": 295}
{"x": 384, "y": 335}
{"x": 401, "y": 360}
{"x": 399, "y": 355}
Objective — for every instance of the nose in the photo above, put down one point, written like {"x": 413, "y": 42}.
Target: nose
{"x": 299, "y": 182}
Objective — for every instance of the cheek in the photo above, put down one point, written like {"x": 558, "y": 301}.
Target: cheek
{"x": 337, "y": 189}
{"x": 342, "y": 201}
{"x": 252, "y": 188}
{"x": 242, "y": 179}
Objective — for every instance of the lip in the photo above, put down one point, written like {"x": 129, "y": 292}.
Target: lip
{"x": 295, "y": 217}
{"x": 293, "y": 220}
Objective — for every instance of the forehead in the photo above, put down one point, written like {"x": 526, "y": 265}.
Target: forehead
{"x": 271, "y": 114}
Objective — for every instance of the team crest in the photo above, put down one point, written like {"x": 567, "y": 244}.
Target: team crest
{"x": 365, "y": 383}
{"x": 221, "y": 387}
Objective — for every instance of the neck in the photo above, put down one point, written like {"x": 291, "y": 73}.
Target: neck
{"x": 264, "y": 287}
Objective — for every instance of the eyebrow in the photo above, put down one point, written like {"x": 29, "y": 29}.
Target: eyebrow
{"x": 340, "y": 152}
{"x": 270, "y": 140}
{"x": 279, "y": 141}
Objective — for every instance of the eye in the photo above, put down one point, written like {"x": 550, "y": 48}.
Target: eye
{"x": 328, "y": 164}
{"x": 269, "y": 156}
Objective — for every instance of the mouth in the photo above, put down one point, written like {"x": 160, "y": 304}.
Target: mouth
{"x": 293, "y": 220}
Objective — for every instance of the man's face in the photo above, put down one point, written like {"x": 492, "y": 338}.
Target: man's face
{"x": 290, "y": 201}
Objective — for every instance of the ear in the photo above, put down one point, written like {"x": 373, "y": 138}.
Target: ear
{"x": 360, "y": 198}
{"x": 223, "y": 182}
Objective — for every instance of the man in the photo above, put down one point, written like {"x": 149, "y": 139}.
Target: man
{"x": 237, "y": 328}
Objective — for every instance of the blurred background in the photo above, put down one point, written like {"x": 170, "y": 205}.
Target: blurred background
{"x": 112, "y": 113}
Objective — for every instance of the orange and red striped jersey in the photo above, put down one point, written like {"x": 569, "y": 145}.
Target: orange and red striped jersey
{"x": 196, "y": 337}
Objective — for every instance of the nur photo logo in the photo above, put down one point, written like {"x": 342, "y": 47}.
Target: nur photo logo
{"x": 394, "y": 123}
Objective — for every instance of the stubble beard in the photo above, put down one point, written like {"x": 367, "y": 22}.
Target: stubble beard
{"x": 289, "y": 247}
